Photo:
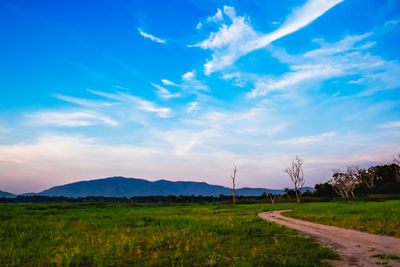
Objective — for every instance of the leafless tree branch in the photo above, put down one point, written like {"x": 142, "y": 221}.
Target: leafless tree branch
{"x": 296, "y": 174}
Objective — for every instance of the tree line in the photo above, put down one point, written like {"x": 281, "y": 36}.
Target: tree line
{"x": 351, "y": 183}
{"x": 354, "y": 182}
{"x": 378, "y": 179}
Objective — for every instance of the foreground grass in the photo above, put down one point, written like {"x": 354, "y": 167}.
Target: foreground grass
{"x": 156, "y": 235}
{"x": 373, "y": 217}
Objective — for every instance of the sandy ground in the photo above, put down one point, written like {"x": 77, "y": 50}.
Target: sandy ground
{"x": 355, "y": 248}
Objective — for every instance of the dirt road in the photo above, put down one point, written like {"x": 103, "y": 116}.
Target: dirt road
{"x": 355, "y": 248}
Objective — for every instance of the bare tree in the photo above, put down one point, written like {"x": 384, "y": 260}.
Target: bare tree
{"x": 272, "y": 197}
{"x": 233, "y": 185}
{"x": 345, "y": 183}
{"x": 367, "y": 178}
{"x": 296, "y": 174}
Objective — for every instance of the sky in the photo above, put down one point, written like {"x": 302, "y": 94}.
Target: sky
{"x": 185, "y": 90}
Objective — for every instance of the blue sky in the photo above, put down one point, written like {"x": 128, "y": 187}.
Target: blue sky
{"x": 184, "y": 90}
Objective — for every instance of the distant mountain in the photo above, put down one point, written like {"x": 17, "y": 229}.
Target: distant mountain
{"x": 308, "y": 188}
{"x": 247, "y": 191}
{"x": 129, "y": 187}
{"x": 6, "y": 194}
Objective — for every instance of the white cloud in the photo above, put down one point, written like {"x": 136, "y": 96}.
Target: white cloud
{"x": 392, "y": 124}
{"x": 189, "y": 84}
{"x": 183, "y": 141}
{"x": 307, "y": 139}
{"x": 300, "y": 74}
{"x": 152, "y": 37}
{"x": 151, "y": 107}
{"x": 199, "y": 25}
{"x": 164, "y": 93}
{"x": 345, "y": 45}
{"x": 167, "y": 82}
{"x": 4, "y": 130}
{"x": 227, "y": 43}
{"x": 70, "y": 118}
{"x": 188, "y": 75}
{"x": 82, "y": 102}
{"x": 148, "y": 106}
{"x": 391, "y": 22}
{"x": 230, "y": 12}
{"x": 299, "y": 18}
{"x": 217, "y": 17}
{"x": 142, "y": 104}
{"x": 239, "y": 38}
{"x": 192, "y": 107}
{"x": 346, "y": 57}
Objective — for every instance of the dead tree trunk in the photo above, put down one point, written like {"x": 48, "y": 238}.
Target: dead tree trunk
{"x": 233, "y": 185}
{"x": 297, "y": 195}
{"x": 296, "y": 174}
{"x": 272, "y": 197}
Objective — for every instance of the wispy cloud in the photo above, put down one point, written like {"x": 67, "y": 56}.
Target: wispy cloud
{"x": 189, "y": 85}
{"x": 392, "y": 124}
{"x": 4, "y": 130}
{"x": 82, "y": 101}
{"x": 141, "y": 103}
{"x": 151, "y": 107}
{"x": 184, "y": 141}
{"x": 392, "y": 22}
{"x": 307, "y": 139}
{"x": 167, "y": 82}
{"x": 193, "y": 106}
{"x": 217, "y": 17}
{"x": 152, "y": 37}
{"x": 70, "y": 118}
{"x": 228, "y": 43}
{"x": 239, "y": 38}
{"x": 347, "y": 57}
{"x": 165, "y": 93}
{"x": 188, "y": 75}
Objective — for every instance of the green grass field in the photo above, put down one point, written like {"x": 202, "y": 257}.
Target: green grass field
{"x": 156, "y": 235}
{"x": 373, "y": 217}
{"x": 183, "y": 235}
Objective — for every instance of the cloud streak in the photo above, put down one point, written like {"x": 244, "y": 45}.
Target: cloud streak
{"x": 151, "y": 37}
{"x": 347, "y": 57}
{"x": 239, "y": 38}
{"x": 392, "y": 124}
{"x": 141, "y": 103}
{"x": 165, "y": 93}
{"x": 307, "y": 139}
{"x": 70, "y": 118}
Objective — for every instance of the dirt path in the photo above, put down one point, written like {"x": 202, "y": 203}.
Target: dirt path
{"x": 355, "y": 248}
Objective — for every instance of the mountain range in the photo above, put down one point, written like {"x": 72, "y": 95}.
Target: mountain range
{"x": 6, "y": 194}
{"x": 129, "y": 187}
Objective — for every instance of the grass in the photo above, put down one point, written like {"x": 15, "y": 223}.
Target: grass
{"x": 373, "y": 217}
{"x": 387, "y": 257}
{"x": 180, "y": 235}
{"x": 150, "y": 235}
